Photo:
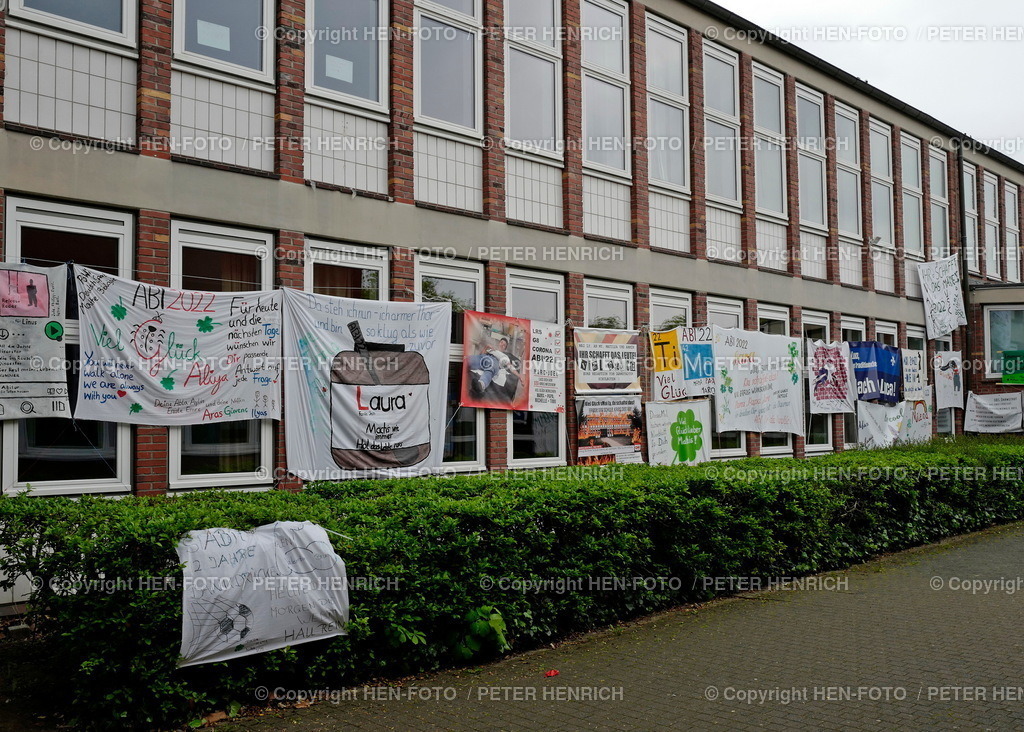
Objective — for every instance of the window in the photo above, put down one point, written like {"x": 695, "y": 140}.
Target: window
{"x": 970, "y": 193}
{"x": 726, "y": 314}
{"x": 449, "y": 77}
{"x": 669, "y": 309}
{"x": 1004, "y": 331}
{"x": 342, "y": 270}
{"x": 774, "y": 321}
{"x": 886, "y": 333}
{"x": 534, "y": 76}
{"x": 668, "y": 104}
{"x": 58, "y": 456}
{"x": 881, "y": 184}
{"x": 819, "y": 426}
{"x": 721, "y": 124}
{"x": 913, "y": 197}
{"x": 853, "y": 329}
{"x": 608, "y": 305}
{"x": 605, "y": 85}
{"x": 848, "y": 182}
{"x": 769, "y": 142}
{"x": 537, "y": 438}
{"x": 230, "y": 35}
{"x": 1012, "y": 206}
{"x": 109, "y": 20}
{"x": 810, "y": 140}
{"x": 993, "y": 259}
{"x": 349, "y": 59}
{"x": 939, "y": 202}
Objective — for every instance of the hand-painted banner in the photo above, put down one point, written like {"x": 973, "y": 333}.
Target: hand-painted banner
{"x": 879, "y": 425}
{"x": 33, "y": 379}
{"x": 943, "y": 296}
{"x": 163, "y": 356}
{"x": 994, "y": 413}
{"x": 759, "y": 385}
{"x": 610, "y": 429}
{"x": 678, "y": 433}
{"x": 248, "y": 592}
{"x": 367, "y": 385}
{"x": 830, "y": 384}
{"x": 949, "y": 382}
{"x": 683, "y": 363}
{"x": 917, "y": 420}
{"x": 878, "y": 371}
{"x": 1013, "y": 367}
{"x": 607, "y": 360}
{"x": 511, "y": 363}
{"x": 915, "y": 375}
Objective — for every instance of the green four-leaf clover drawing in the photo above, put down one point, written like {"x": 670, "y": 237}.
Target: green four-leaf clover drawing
{"x": 119, "y": 311}
{"x": 205, "y": 325}
{"x": 135, "y": 408}
{"x": 687, "y": 439}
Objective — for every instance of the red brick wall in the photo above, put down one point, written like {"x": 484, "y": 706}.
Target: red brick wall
{"x": 748, "y": 221}
{"x": 865, "y": 197}
{"x": 572, "y": 178}
{"x": 698, "y": 156}
{"x": 792, "y": 177}
{"x": 289, "y": 271}
{"x": 400, "y": 162}
{"x": 291, "y": 91}
{"x": 403, "y": 274}
{"x": 153, "y": 122}
{"x": 494, "y": 110}
{"x": 3, "y": 64}
{"x": 639, "y": 193}
{"x": 573, "y": 311}
{"x": 498, "y": 433}
{"x": 897, "y": 211}
{"x": 831, "y": 190}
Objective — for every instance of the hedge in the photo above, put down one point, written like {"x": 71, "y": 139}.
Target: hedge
{"x": 442, "y": 545}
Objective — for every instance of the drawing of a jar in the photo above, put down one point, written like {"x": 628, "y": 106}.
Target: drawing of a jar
{"x": 380, "y": 410}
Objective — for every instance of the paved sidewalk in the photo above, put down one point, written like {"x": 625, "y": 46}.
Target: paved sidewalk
{"x": 887, "y": 652}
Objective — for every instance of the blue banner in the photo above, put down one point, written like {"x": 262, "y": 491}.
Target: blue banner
{"x": 878, "y": 370}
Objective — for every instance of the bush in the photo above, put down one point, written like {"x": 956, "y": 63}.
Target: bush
{"x": 444, "y": 545}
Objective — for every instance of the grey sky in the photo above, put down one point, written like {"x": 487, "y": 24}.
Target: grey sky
{"x": 960, "y": 61}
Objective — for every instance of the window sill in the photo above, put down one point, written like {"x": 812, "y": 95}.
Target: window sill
{"x": 349, "y": 105}
{"x": 261, "y": 84}
{"x": 80, "y": 36}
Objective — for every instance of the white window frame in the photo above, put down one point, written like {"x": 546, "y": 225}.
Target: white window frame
{"x": 857, "y": 324}
{"x": 1011, "y": 202}
{"x": 883, "y": 327}
{"x": 917, "y": 331}
{"x": 764, "y": 136}
{"x": 813, "y": 152}
{"x": 733, "y": 122}
{"x": 552, "y": 54}
{"x": 726, "y": 306}
{"x": 233, "y": 241}
{"x": 670, "y": 299}
{"x": 989, "y": 362}
{"x": 885, "y": 181}
{"x": 821, "y": 320}
{"x": 779, "y": 314}
{"x": 991, "y": 180}
{"x": 27, "y": 213}
{"x": 681, "y": 103}
{"x": 205, "y": 62}
{"x": 129, "y": 23}
{"x": 620, "y": 80}
{"x": 914, "y": 192}
{"x": 322, "y": 251}
{"x": 970, "y": 194}
{"x": 606, "y": 290}
{"x": 852, "y": 238}
{"x": 940, "y": 202}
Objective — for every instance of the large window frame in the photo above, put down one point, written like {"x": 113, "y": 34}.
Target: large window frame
{"x": 550, "y": 53}
{"x": 938, "y": 200}
{"x": 767, "y": 139}
{"x": 723, "y": 118}
{"x": 265, "y": 75}
{"x": 852, "y": 329}
{"x": 969, "y": 190}
{"x": 605, "y": 290}
{"x": 338, "y": 254}
{"x": 912, "y": 180}
{"x": 775, "y": 314}
{"x": 990, "y": 363}
{"x": 679, "y": 102}
{"x": 812, "y": 319}
{"x": 1011, "y": 206}
{"x": 670, "y": 299}
{"x": 811, "y": 150}
{"x": 592, "y": 71}
{"x": 993, "y": 227}
{"x": 882, "y": 181}
{"x": 472, "y": 24}
{"x": 731, "y": 309}
{"x": 128, "y": 36}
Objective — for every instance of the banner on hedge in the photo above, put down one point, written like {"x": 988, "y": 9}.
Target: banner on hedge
{"x": 879, "y": 425}
{"x": 758, "y": 382}
{"x": 248, "y": 592}
{"x": 607, "y": 360}
{"x": 943, "y": 296}
{"x": 678, "y": 433}
{"x": 878, "y": 371}
{"x": 684, "y": 365}
{"x": 915, "y": 375}
{"x": 33, "y": 380}
{"x": 1013, "y": 367}
{"x": 162, "y": 356}
{"x": 367, "y": 386}
{"x": 949, "y": 383}
{"x": 609, "y": 430}
{"x": 994, "y": 413}
{"x": 831, "y": 386}
{"x": 511, "y": 363}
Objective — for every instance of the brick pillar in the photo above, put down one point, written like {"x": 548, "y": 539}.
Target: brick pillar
{"x": 901, "y": 334}
{"x": 838, "y": 423}
{"x": 750, "y": 322}
{"x": 640, "y": 198}
{"x": 499, "y": 434}
{"x": 699, "y": 318}
{"x": 572, "y": 178}
{"x": 867, "y": 253}
{"x": 831, "y": 191}
{"x": 796, "y": 330}
{"x": 979, "y": 184}
{"x": 641, "y": 319}
{"x": 793, "y": 177}
{"x": 289, "y": 111}
{"x": 698, "y": 156}
{"x": 3, "y": 208}
{"x": 494, "y": 110}
{"x": 289, "y": 271}
{"x": 153, "y": 122}
{"x": 403, "y": 274}
{"x": 748, "y": 186}
{"x": 897, "y": 213}
{"x": 401, "y": 186}
{"x": 1001, "y": 212}
{"x": 926, "y": 197}
{"x": 869, "y": 329}
{"x": 3, "y": 65}
{"x": 573, "y": 312}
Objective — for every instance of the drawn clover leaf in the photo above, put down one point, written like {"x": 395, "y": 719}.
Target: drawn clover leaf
{"x": 135, "y": 408}
{"x": 686, "y": 436}
{"x": 205, "y": 325}
{"x": 167, "y": 382}
{"x": 119, "y": 311}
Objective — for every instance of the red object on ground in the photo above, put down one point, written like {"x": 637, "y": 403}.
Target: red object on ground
{"x": 552, "y": 672}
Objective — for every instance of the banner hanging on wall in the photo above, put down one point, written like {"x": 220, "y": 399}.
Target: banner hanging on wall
{"x": 163, "y": 356}
{"x": 33, "y": 379}
{"x": 943, "y": 296}
{"x": 994, "y": 413}
{"x": 878, "y": 371}
{"x": 609, "y": 430}
{"x": 367, "y": 386}
{"x": 915, "y": 375}
{"x": 830, "y": 384}
{"x": 684, "y": 365}
{"x": 917, "y": 420}
{"x": 879, "y": 425}
{"x": 607, "y": 360}
{"x": 678, "y": 433}
{"x": 949, "y": 383}
{"x": 1013, "y": 367}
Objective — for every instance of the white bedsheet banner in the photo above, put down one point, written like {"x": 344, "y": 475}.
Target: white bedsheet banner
{"x": 879, "y": 425}
{"x": 993, "y": 413}
{"x": 943, "y": 296}
{"x": 915, "y": 375}
{"x": 949, "y": 380}
{"x": 830, "y": 384}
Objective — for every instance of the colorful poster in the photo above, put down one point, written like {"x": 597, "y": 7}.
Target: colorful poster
{"x": 163, "y": 356}
{"x": 830, "y": 382}
{"x": 915, "y": 375}
{"x": 949, "y": 383}
{"x": 879, "y": 425}
{"x": 678, "y": 433}
{"x": 511, "y": 363}
{"x": 33, "y": 377}
{"x": 248, "y": 592}
{"x": 684, "y": 365}
{"x": 367, "y": 385}
{"x": 917, "y": 420}
{"x": 994, "y": 413}
{"x": 759, "y": 386}
{"x": 878, "y": 371}
{"x": 943, "y": 296}
{"x": 1013, "y": 367}
{"x": 607, "y": 360}
{"x": 609, "y": 430}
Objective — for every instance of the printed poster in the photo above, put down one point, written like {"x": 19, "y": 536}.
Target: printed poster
{"x": 830, "y": 383}
{"x": 878, "y": 371}
{"x": 511, "y": 363}
{"x": 879, "y": 425}
{"x": 994, "y": 413}
{"x": 248, "y": 592}
{"x": 943, "y": 296}
{"x": 759, "y": 383}
{"x": 367, "y": 385}
{"x": 1013, "y": 367}
{"x": 949, "y": 383}
{"x": 607, "y": 360}
{"x": 915, "y": 375}
{"x": 33, "y": 378}
{"x": 678, "y": 433}
{"x": 684, "y": 365}
{"x": 163, "y": 356}
{"x": 609, "y": 430}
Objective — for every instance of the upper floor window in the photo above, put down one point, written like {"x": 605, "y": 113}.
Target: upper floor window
{"x": 721, "y": 124}
{"x": 810, "y": 119}
{"x": 533, "y": 77}
{"x": 993, "y": 230}
{"x": 235, "y": 36}
{"x": 349, "y": 57}
{"x": 449, "y": 77}
{"x": 970, "y": 194}
{"x": 769, "y": 128}
{"x": 881, "y": 184}
{"x": 1012, "y": 204}
{"x": 939, "y": 203}
{"x": 848, "y": 171}
{"x": 668, "y": 113}
{"x": 605, "y": 85}
{"x": 109, "y": 20}
{"x": 913, "y": 196}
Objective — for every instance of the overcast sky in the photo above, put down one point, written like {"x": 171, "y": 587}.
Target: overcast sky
{"x": 973, "y": 84}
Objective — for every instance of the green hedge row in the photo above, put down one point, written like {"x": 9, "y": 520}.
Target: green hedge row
{"x": 442, "y": 545}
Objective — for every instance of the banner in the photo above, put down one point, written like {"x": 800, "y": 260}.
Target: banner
{"x": 367, "y": 386}
{"x": 830, "y": 385}
{"x": 994, "y": 413}
{"x": 609, "y": 430}
{"x": 879, "y": 425}
{"x": 915, "y": 376}
{"x": 917, "y": 420}
{"x": 758, "y": 382}
{"x": 248, "y": 592}
{"x": 943, "y": 296}
{"x": 683, "y": 363}
{"x": 949, "y": 383}
{"x": 678, "y": 433}
{"x": 877, "y": 369}
{"x": 607, "y": 360}
{"x": 1013, "y": 367}
{"x": 161, "y": 356}
{"x": 33, "y": 380}
{"x": 511, "y": 363}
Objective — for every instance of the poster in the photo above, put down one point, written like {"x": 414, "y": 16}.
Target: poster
{"x": 949, "y": 383}
{"x": 247, "y": 592}
{"x": 943, "y": 296}
{"x": 678, "y": 433}
{"x": 33, "y": 378}
{"x": 683, "y": 363}
{"x": 759, "y": 385}
{"x": 1013, "y": 367}
{"x": 879, "y": 425}
{"x": 511, "y": 363}
{"x": 917, "y": 420}
{"x": 367, "y": 386}
{"x": 878, "y": 371}
{"x": 993, "y": 413}
{"x": 163, "y": 356}
{"x": 609, "y": 430}
{"x": 607, "y": 360}
{"x": 830, "y": 382}
{"x": 915, "y": 375}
